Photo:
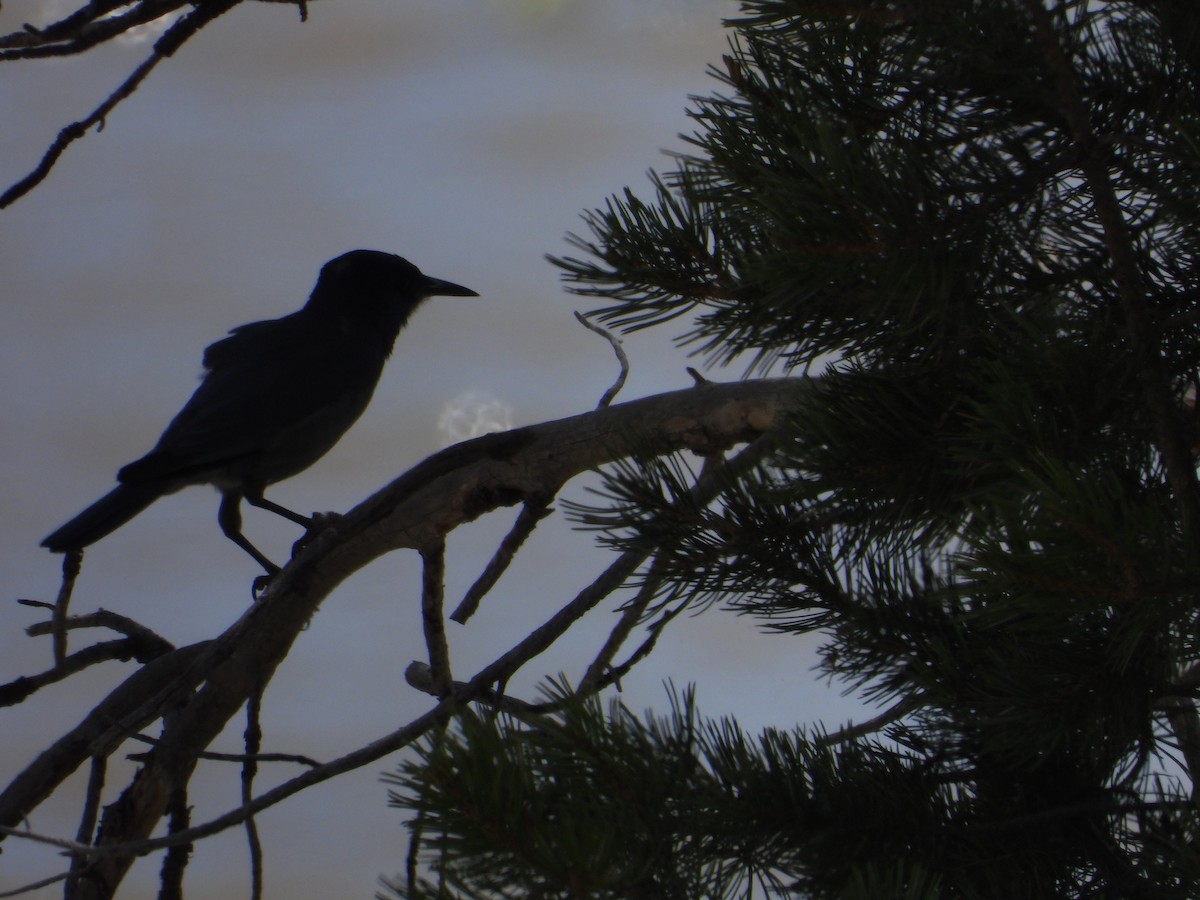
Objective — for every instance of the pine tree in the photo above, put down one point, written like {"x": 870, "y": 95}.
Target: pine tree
{"x": 974, "y": 224}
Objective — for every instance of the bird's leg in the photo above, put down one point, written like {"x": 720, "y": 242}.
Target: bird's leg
{"x": 254, "y": 496}
{"x": 230, "y": 519}
{"x": 312, "y": 524}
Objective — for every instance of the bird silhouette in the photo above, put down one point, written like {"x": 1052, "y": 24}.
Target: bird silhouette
{"x": 275, "y": 397}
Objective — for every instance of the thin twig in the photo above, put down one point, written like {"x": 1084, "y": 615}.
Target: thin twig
{"x": 633, "y": 612}
{"x": 420, "y": 676}
{"x": 36, "y": 885}
{"x": 91, "y": 812}
{"x": 214, "y": 756}
{"x": 253, "y": 743}
{"x": 533, "y": 511}
{"x": 79, "y": 32}
{"x": 615, "y": 673}
{"x": 165, "y": 46}
{"x": 433, "y": 583}
{"x": 72, "y": 563}
{"x": 72, "y": 847}
{"x": 630, "y": 616}
{"x": 712, "y": 478}
{"x": 91, "y": 806}
{"x": 17, "y": 690}
{"x": 103, "y": 618}
{"x": 622, "y": 359}
{"x": 872, "y": 725}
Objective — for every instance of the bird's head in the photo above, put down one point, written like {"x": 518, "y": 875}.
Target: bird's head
{"x": 377, "y": 289}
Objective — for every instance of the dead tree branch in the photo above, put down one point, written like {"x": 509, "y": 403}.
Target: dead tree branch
{"x": 196, "y": 690}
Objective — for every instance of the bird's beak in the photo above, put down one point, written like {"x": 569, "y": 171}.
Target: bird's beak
{"x": 435, "y": 287}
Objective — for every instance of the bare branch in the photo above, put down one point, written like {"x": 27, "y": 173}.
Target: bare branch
{"x": 534, "y": 510}
{"x": 212, "y": 755}
{"x": 600, "y": 672}
{"x": 614, "y": 674}
{"x": 75, "y": 848}
{"x": 71, "y": 564}
{"x": 154, "y": 643}
{"x": 165, "y": 46}
{"x": 420, "y": 676}
{"x": 433, "y": 586}
{"x": 36, "y": 885}
{"x": 91, "y": 811}
{"x": 622, "y": 359}
{"x": 870, "y": 726}
{"x": 89, "y": 26}
{"x": 253, "y": 743}
{"x": 17, "y": 690}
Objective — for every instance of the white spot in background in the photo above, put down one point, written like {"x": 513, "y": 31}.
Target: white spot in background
{"x": 47, "y": 12}
{"x": 142, "y": 34}
{"x": 472, "y": 414}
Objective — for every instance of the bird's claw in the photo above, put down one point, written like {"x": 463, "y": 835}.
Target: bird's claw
{"x": 260, "y": 584}
{"x": 317, "y": 523}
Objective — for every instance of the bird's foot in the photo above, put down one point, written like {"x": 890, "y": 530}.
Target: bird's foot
{"x": 317, "y": 523}
{"x": 260, "y": 584}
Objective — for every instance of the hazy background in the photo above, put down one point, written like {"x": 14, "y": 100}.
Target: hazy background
{"x": 465, "y": 135}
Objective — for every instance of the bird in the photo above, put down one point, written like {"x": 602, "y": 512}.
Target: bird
{"x": 274, "y": 398}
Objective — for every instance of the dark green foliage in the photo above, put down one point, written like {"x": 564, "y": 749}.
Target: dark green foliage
{"x": 588, "y": 804}
{"x": 978, "y": 223}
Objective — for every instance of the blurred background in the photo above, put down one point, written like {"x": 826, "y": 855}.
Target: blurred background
{"x": 468, "y": 136}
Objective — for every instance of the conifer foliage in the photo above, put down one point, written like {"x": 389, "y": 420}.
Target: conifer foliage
{"x": 974, "y": 225}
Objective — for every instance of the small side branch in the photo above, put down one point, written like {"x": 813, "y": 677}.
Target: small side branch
{"x": 253, "y": 744}
{"x": 622, "y": 359}
{"x": 17, "y": 690}
{"x": 94, "y": 23}
{"x": 872, "y": 725}
{"x": 597, "y": 674}
{"x": 214, "y": 756}
{"x": 91, "y": 813}
{"x": 420, "y": 676}
{"x": 531, "y": 514}
{"x": 432, "y": 597}
{"x": 155, "y": 644}
{"x": 72, "y": 563}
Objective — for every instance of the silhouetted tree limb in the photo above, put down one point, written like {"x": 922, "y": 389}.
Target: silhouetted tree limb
{"x": 196, "y": 690}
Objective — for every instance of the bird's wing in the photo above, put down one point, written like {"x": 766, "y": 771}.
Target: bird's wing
{"x": 269, "y": 382}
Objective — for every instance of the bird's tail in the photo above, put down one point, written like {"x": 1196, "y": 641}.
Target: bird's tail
{"x": 106, "y": 515}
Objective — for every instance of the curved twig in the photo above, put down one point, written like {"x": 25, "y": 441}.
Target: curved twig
{"x": 622, "y": 359}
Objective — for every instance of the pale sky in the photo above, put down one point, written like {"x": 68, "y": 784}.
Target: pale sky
{"x": 467, "y": 136}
